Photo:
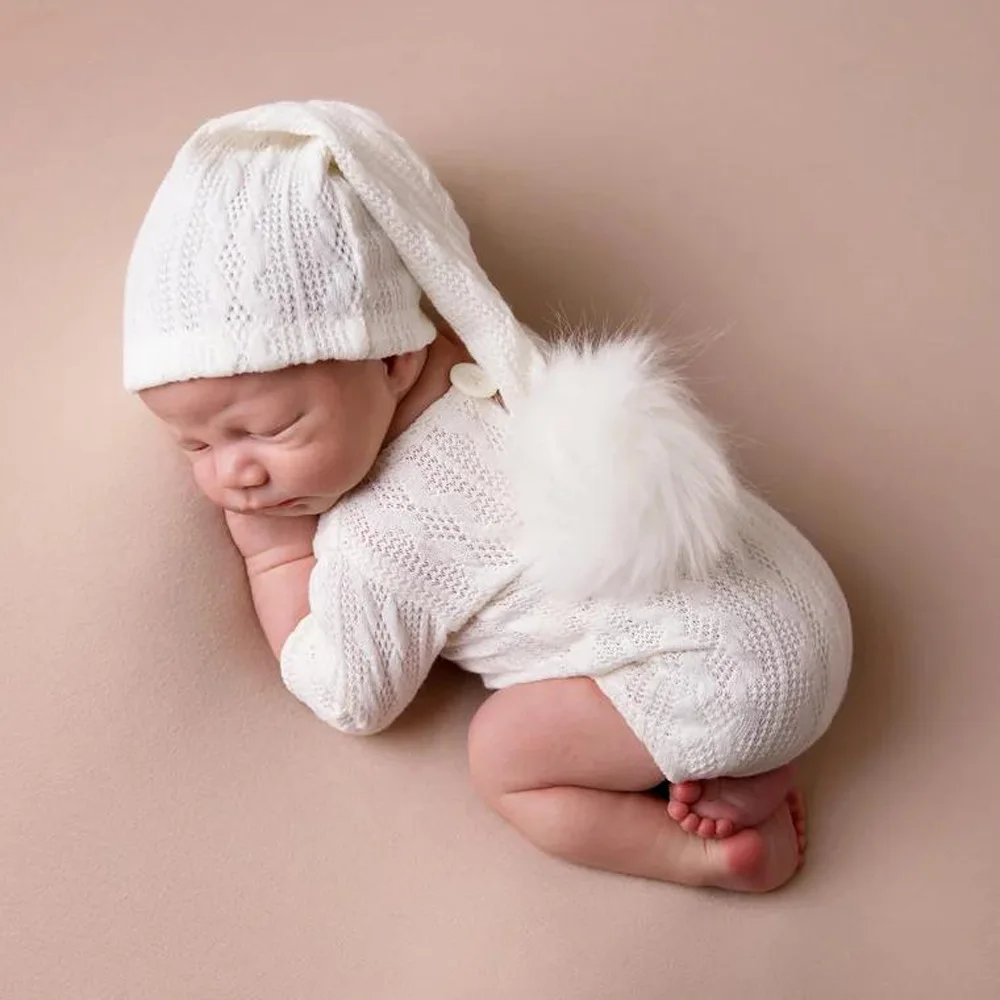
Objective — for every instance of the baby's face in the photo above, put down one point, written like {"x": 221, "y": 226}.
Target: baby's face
{"x": 283, "y": 443}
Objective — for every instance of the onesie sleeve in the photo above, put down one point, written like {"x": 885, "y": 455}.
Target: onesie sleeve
{"x": 360, "y": 655}
{"x": 403, "y": 563}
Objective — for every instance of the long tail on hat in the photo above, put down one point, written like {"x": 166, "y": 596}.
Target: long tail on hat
{"x": 621, "y": 485}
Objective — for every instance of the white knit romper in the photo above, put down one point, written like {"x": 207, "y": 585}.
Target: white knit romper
{"x": 733, "y": 676}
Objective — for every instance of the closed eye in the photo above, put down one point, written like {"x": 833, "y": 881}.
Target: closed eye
{"x": 192, "y": 446}
{"x": 277, "y": 431}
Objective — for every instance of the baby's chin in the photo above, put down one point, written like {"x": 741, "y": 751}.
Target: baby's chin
{"x": 287, "y": 512}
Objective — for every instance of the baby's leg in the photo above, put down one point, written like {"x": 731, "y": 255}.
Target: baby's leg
{"x": 721, "y": 807}
{"x": 558, "y": 762}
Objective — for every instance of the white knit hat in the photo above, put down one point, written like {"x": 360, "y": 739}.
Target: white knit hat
{"x": 259, "y": 252}
{"x": 300, "y": 231}
{"x": 256, "y": 254}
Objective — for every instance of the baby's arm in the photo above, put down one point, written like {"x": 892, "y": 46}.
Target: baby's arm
{"x": 278, "y": 552}
{"x": 360, "y": 655}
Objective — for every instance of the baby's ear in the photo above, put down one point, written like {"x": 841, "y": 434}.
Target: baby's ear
{"x": 402, "y": 370}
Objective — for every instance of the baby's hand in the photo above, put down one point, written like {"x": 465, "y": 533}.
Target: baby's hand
{"x": 266, "y": 541}
{"x": 279, "y": 561}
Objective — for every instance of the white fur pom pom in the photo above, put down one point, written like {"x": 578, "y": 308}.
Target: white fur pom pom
{"x": 621, "y": 484}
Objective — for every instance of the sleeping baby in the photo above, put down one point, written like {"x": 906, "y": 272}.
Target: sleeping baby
{"x": 410, "y": 473}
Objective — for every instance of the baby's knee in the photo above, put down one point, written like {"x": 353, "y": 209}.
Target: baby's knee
{"x": 492, "y": 741}
{"x": 507, "y": 742}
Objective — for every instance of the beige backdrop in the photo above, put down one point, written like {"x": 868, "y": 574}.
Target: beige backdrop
{"x": 810, "y": 193}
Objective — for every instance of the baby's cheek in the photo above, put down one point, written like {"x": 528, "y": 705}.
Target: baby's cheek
{"x": 204, "y": 478}
{"x": 349, "y": 464}
{"x": 314, "y": 468}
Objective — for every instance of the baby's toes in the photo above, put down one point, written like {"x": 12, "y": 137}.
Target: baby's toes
{"x": 691, "y": 823}
{"x": 724, "y": 828}
{"x": 678, "y": 811}
{"x": 687, "y": 792}
{"x": 706, "y": 829}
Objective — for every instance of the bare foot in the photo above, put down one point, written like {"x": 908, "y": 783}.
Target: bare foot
{"x": 722, "y": 807}
{"x": 762, "y": 858}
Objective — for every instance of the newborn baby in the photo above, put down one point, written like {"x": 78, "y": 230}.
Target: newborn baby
{"x": 410, "y": 474}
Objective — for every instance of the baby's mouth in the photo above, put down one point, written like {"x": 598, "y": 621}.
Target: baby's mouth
{"x": 265, "y": 508}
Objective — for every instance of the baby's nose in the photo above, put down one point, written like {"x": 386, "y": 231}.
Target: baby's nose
{"x": 239, "y": 472}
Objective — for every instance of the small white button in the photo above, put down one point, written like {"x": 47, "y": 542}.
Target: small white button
{"x": 473, "y": 381}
